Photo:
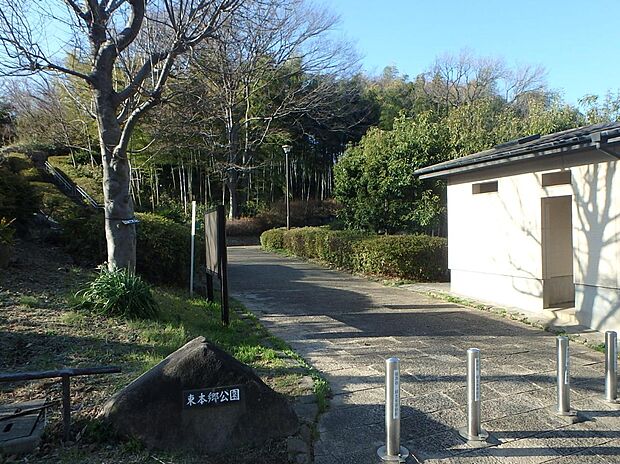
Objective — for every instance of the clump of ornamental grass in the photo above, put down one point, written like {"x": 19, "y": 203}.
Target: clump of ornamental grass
{"x": 118, "y": 293}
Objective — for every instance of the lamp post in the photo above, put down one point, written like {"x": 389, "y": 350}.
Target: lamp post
{"x": 287, "y": 150}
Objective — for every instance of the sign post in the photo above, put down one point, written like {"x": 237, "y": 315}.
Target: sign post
{"x": 216, "y": 256}
{"x": 191, "y": 266}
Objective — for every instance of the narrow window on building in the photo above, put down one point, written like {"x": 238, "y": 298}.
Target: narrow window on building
{"x": 556, "y": 178}
{"x": 484, "y": 187}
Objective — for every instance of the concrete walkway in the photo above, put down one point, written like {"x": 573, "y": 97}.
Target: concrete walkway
{"x": 347, "y": 326}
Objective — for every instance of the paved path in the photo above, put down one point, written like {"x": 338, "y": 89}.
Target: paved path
{"x": 347, "y": 326}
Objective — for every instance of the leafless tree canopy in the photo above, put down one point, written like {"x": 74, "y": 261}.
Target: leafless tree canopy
{"x": 126, "y": 76}
{"x": 460, "y": 79}
{"x": 273, "y": 61}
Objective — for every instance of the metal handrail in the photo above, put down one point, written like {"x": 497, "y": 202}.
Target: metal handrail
{"x": 71, "y": 187}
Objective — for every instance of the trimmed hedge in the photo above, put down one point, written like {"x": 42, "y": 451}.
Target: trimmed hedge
{"x": 163, "y": 250}
{"x": 414, "y": 257}
{"x": 163, "y": 246}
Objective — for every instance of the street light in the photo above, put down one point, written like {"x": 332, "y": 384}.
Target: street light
{"x": 287, "y": 150}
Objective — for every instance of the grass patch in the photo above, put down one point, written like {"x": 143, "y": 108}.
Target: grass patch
{"x": 50, "y": 336}
{"x": 30, "y": 301}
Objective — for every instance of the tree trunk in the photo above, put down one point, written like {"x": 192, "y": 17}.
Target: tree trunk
{"x": 118, "y": 206}
{"x": 232, "y": 183}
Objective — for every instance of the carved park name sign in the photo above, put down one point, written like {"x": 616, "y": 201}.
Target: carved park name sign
{"x": 204, "y": 398}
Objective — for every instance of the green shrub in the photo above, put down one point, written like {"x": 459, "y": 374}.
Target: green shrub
{"x": 18, "y": 199}
{"x": 163, "y": 250}
{"x": 18, "y": 162}
{"x": 6, "y": 231}
{"x": 338, "y": 247}
{"x": 415, "y": 257}
{"x": 118, "y": 293}
{"x": 273, "y": 239}
{"x": 83, "y": 235}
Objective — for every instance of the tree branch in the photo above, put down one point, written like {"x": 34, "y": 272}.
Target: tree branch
{"x": 134, "y": 86}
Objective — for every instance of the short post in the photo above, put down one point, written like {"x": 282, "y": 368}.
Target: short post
{"x": 191, "y": 266}
{"x": 210, "y": 296}
{"x": 473, "y": 431}
{"x": 611, "y": 366}
{"x": 392, "y": 451}
{"x": 563, "y": 371}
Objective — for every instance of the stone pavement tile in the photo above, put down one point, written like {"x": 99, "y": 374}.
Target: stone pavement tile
{"x": 479, "y": 456}
{"x": 458, "y": 394}
{"x": 420, "y": 425}
{"x": 369, "y": 396}
{"x": 366, "y": 360}
{"x": 357, "y": 415}
{"x": 541, "y": 398}
{"x": 591, "y": 372}
{"x": 502, "y": 366}
{"x": 434, "y": 368}
{"x": 538, "y": 361}
{"x": 545, "y": 396}
{"x": 604, "y": 420}
{"x": 588, "y": 358}
{"x": 354, "y": 379}
{"x": 510, "y": 384}
{"x": 583, "y": 457}
{"x": 445, "y": 348}
{"x": 570, "y": 441}
{"x": 325, "y": 363}
{"x": 430, "y": 402}
{"x": 544, "y": 380}
{"x": 519, "y": 426}
{"x": 341, "y": 440}
{"x": 531, "y": 450}
{"x": 594, "y": 406}
{"x": 416, "y": 386}
{"x": 454, "y": 418}
{"x": 436, "y": 447}
{"x": 588, "y": 387}
{"x": 354, "y": 457}
{"x": 609, "y": 450}
{"x": 320, "y": 449}
{"x": 508, "y": 406}
{"x": 497, "y": 347}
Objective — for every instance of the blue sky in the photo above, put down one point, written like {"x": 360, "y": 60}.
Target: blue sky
{"x": 578, "y": 42}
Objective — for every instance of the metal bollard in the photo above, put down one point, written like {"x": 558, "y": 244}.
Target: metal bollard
{"x": 392, "y": 451}
{"x": 473, "y": 431}
{"x": 611, "y": 366}
{"x": 563, "y": 361}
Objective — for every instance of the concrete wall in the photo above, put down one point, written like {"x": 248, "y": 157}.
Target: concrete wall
{"x": 596, "y": 221}
{"x": 495, "y": 239}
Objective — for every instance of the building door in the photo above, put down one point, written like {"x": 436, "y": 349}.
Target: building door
{"x": 557, "y": 251}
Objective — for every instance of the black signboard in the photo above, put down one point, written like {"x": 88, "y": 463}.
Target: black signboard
{"x": 211, "y": 397}
{"x": 216, "y": 256}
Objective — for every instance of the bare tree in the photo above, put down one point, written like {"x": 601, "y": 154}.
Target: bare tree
{"x": 104, "y": 33}
{"x": 454, "y": 80}
{"x": 276, "y": 62}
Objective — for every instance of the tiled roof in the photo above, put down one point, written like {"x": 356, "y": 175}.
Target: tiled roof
{"x": 582, "y": 138}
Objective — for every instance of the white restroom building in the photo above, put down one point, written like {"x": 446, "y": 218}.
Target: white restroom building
{"x": 535, "y": 223}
